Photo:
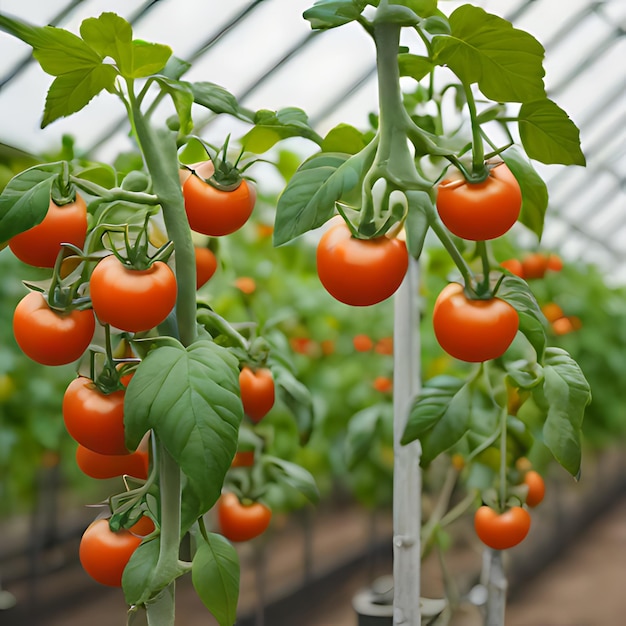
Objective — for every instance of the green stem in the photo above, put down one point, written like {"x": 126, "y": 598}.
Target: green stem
{"x": 479, "y": 171}
{"x": 503, "y": 416}
{"x": 115, "y": 193}
{"x": 483, "y": 287}
{"x": 159, "y": 152}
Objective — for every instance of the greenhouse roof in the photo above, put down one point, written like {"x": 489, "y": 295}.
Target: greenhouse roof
{"x": 265, "y": 53}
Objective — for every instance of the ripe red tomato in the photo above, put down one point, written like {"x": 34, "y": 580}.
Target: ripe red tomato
{"x": 360, "y": 272}
{"x": 362, "y": 343}
{"x": 241, "y": 522}
{"x": 257, "y": 392}
{"x": 384, "y": 384}
{"x": 104, "y": 554}
{"x": 554, "y": 263}
{"x": 93, "y": 419}
{"x": 129, "y": 299}
{"x": 473, "y": 330}
{"x": 480, "y": 211}
{"x": 206, "y": 265}
{"x": 536, "y": 488}
{"x": 552, "y": 311}
{"x": 49, "y": 337}
{"x": 40, "y": 245}
{"x": 514, "y": 266}
{"x": 243, "y": 458}
{"x": 501, "y": 531}
{"x": 215, "y": 212}
{"x": 534, "y": 265}
{"x": 103, "y": 466}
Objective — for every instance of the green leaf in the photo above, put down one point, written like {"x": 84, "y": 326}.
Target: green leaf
{"x": 568, "y": 393}
{"x": 308, "y": 200}
{"x": 423, "y": 8}
{"x": 534, "y": 190}
{"x": 517, "y": 293}
{"x": 287, "y": 473}
{"x": 414, "y": 66}
{"x": 506, "y": 63}
{"x": 430, "y": 405}
{"x": 548, "y": 134}
{"x": 139, "y": 571}
{"x": 100, "y": 173}
{"x": 110, "y": 36}
{"x": 363, "y": 432}
{"x": 25, "y": 200}
{"x": 296, "y": 397}
{"x": 182, "y": 97}
{"x": 148, "y": 58}
{"x": 218, "y": 100}
{"x": 326, "y": 14}
{"x": 58, "y": 51}
{"x": 215, "y": 577}
{"x": 344, "y": 138}
{"x": 271, "y": 127}
{"x": 72, "y": 91}
{"x": 175, "y": 68}
{"x": 191, "y": 399}
{"x": 447, "y": 410}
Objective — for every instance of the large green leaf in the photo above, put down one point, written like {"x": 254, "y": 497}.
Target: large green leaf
{"x": 534, "y": 190}
{"x": 72, "y": 91}
{"x": 190, "y": 397}
{"x": 25, "y": 200}
{"x": 218, "y": 100}
{"x": 506, "y": 63}
{"x": 567, "y": 393}
{"x": 215, "y": 577}
{"x": 182, "y": 97}
{"x": 414, "y": 66}
{"x": 309, "y": 199}
{"x": 363, "y": 431}
{"x": 286, "y": 473}
{"x": 548, "y": 134}
{"x": 296, "y": 397}
{"x": 58, "y": 51}
{"x": 439, "y": 416}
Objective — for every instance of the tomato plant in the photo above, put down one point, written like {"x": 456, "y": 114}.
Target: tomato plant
{"x": 473, "y": 330}
{"x": 41, "y": 244}
{"x": 214, "y": 211}
{"x": 104, "y": 554}
{"x": 130, "y": 299}
{"x": 95, "y": 419}
{"x": 536, "y": 488}
{"x": 480, "y": 210}
{"x": 501, "y": 531}
{"x": 360, "y": 272}
{"x": 239, "y": 521}
{"x": 257, "y": 392}
{"x": 51, "y": 337}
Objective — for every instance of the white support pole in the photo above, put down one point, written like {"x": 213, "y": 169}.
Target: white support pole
{"x": 407, "y": 485}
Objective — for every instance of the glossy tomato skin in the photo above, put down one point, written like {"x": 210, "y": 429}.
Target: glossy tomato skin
{"x": 215, "y": 212}
{"x": 536, "y": 488}
{"x": 132, "y": 300}
{"x": 104, "y": 466}
{"x": 39, "y": 246}
{"x": 257, "y": 392}
{"x": 480, "y": 211}
{"x": 49, "y": 337}
{"x": 360, "y": 272}
{"x": 241, "y": 522}
{"x": 93, "y": 419}
{"x": 104, "y": 554}
{"x": 501, "y": 531}
{"x": 473, "y": 330}
{"x": 206, "y": 265}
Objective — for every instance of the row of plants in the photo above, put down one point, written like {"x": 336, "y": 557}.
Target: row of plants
{"x": 210, "y": 359}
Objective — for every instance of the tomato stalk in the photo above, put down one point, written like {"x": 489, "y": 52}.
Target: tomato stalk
{"x": 116, "y": 193}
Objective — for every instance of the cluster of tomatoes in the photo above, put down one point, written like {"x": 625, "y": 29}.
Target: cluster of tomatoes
{"x": 503, "y": 530}
{"x": 58, "y": 328}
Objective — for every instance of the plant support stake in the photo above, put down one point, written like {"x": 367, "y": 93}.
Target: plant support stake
{"x": 406, "y": 476}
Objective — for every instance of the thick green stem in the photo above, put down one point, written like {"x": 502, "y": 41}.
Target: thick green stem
{"x": 159, "y": 152}
{"x": 483, "y": 288}
{"x": 116, "y": 193}
{"x": 503, "y": 416}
